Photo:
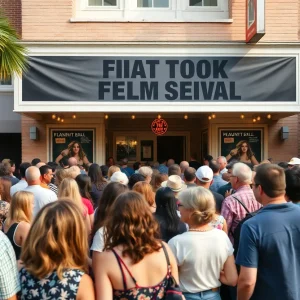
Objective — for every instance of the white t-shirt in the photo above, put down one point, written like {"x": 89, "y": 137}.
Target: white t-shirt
{"x": 200, "y": 257}
{"x": 98, "y": 240}
{"x": 42, "y": 197}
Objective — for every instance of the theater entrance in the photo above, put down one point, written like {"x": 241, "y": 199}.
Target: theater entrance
{"x": 171, "y": 147}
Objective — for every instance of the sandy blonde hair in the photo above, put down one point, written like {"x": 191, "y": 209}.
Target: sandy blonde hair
{"x": 69, "y": 189}
{"x": 73, "y": 172}
{"x": 145, "y": 189}
{"x": 201, "y": 201}
{"x": 112, "y": 170}
{"x": 60, "y": 175}
{"x": 57, "y": 240}
{"x": 20, "y": 207}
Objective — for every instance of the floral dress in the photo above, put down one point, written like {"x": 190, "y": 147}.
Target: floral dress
{"x": 50, "y": 287}
{"x": 138, "y": 292}
{"x": 4, "y": 208}
{"x": 217, "y": 222}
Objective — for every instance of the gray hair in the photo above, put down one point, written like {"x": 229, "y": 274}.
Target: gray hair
{"x": 223, "y": 158}
{"x": 243, "y": 172}
{"x": 145, "y": 171}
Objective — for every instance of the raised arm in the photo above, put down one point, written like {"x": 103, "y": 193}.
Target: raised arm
{"x": 61, "y": 155}
{"x": 232, "y": 153}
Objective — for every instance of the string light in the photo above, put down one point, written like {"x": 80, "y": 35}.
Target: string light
{"x": 158, "y": 116}
{"x": 186, "y": 117}
{"x": 242, "y": 116}
{"x": 258, "y": 118}
{"x": 53, "y": 116}
{"x": 213, "y": 116}
{"x": 133, "y": 117}
{"x": 209, "y": 117}
{"x": 106, "y": 117}
{"x": 254, "y": 120}
{"x": 58, "y": 119}
{"x": 74, "y": 116}
{"x": 269, "y": 116}
{"x": 62, "y": 120}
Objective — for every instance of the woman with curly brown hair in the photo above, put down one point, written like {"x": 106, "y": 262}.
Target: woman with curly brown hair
{"x": 133, "y": 265}
{"x": 242, "y": 153}
{"x": 74, "y": 150}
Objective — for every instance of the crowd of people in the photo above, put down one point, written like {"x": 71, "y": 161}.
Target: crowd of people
{"x": 194, "y": 230}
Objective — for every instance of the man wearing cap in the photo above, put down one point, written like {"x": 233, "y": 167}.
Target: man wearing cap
{"x": 269, "y": 245}
{"x": 232, "y": 210}
{"x": 204, "y": 178}
{"x": 294, "y": 162}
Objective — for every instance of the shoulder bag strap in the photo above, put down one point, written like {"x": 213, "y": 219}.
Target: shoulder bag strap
{"x": 167, "y": 257}
{"x": 242, "y": 203}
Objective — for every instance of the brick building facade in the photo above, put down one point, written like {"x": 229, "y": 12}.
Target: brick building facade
{"x": 85, "y": 28}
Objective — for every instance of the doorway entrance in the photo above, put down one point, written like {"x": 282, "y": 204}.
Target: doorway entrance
{"x": 171, "y": 147}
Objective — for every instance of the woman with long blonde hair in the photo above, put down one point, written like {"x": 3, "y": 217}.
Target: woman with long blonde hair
{"x": 55, "y": 255}
{"x": 69, "y": 189}
{"x": 17, "y": 224}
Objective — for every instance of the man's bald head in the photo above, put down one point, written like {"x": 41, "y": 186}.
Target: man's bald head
{"x": 32, "y": 175}
{"x": 184, "y": 165}
{"x": 72, "y": 161}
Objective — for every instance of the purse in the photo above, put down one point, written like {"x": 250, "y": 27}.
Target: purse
{"x": 172, "y": 291}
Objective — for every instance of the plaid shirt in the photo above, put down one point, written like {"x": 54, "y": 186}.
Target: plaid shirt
{"x": 234, "y": 212}
{"x": 9, "y": 280}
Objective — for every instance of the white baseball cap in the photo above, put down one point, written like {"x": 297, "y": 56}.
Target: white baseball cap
{"x": 205, "y": 174}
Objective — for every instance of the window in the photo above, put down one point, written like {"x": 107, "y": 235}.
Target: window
{"x": 102, "y": 3}
{"x": 151, "y": 11}
{"x": 203, "y": 2}
{"x": 152, "y": 3}
{"x": 6, "y": 85}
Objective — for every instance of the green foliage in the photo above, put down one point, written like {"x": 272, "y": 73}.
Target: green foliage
{"x": 13, "y": 55}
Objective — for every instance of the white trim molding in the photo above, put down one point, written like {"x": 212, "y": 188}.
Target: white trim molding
{"x": 128, "y": 11}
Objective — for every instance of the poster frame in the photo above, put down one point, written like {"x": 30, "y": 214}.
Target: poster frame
{"x": 50, "y": 139}
{"x": 262, "y": 137}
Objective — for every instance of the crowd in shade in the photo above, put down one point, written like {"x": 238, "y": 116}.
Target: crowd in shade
{"x": 214, "y": 229}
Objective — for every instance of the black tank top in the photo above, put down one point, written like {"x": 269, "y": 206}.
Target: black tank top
{"x": 10, "y": 234}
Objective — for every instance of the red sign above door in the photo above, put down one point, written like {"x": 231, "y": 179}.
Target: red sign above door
{"x": 159, "y": 126}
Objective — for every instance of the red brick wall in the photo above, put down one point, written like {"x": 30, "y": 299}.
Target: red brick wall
{"x": 284, "y": 150}
{"x": 13, "y": 10}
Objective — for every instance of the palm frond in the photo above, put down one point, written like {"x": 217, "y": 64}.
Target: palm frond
{"x": 13, "y": 55}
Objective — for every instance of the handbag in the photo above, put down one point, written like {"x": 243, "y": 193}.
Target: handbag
{"x": 172, "y": 291}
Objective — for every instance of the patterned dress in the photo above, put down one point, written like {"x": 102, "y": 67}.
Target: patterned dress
{"x": 4, "y": 208}
{"x": 138, "y": 292}
{"x": 50, "y": 287}
{"x": 217, "y": 222}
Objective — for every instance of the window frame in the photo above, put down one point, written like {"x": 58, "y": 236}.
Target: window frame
{"x": 127, "y": 11}
{"x": 7, "y": 87}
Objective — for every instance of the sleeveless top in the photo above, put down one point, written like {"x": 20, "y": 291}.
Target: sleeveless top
{"x": 139, "y": 292}
{"x": 50, "y": 287}
{"x": 11, "y": 236}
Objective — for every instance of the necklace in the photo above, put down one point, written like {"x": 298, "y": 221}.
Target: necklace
{"x": 200, "y": 230}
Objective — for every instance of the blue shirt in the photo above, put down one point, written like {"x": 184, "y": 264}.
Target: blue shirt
{"x": 270, "y": 242}
{"x": 217, "y": 183}
{"x": 128, "y": 171}
{"x": 163, "y": 169}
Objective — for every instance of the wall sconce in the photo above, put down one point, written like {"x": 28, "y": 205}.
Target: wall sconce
{"x": 33, "y": 133}
{"x": 284, "y": 132}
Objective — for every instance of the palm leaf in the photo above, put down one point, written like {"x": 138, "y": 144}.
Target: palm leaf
{"x": 13, "y": 55}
